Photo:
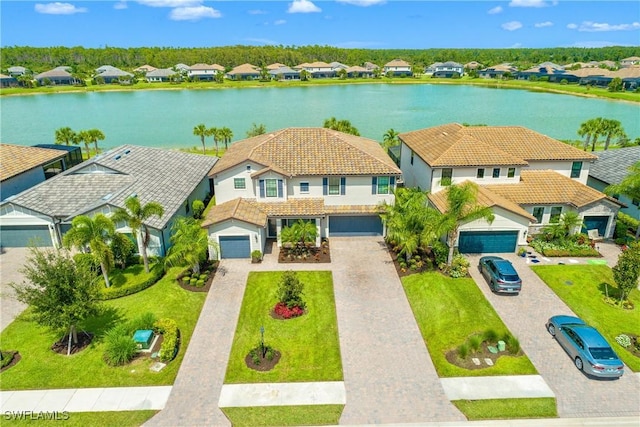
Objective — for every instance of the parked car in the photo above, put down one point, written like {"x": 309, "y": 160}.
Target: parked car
{"x": 591, "y": 353}
{"x": 500, "y": 274}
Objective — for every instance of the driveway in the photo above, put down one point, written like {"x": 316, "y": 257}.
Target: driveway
{"x": 11, "y": 261}
{"x": 525, "y": 315}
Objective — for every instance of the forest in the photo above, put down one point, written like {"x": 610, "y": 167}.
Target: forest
{"x": 39, "y": 59}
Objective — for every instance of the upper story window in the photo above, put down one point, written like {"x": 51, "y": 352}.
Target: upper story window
{"x": 480, "y": 173}
{"x": 576, "y": 168}
{"x": 556, "y": 211}
{"x": 511, "y": 172}
{"x": 239, "y": 183}
{"x": 538, "y": 211}
{"x": 304, "y": 187}
{"x": 271, "y": 187}
{"x": 412, "y": 156}
{"x": 334, "y": 185}
{"x": 447, "y": 174}
{"x": 496, "y": 173}
{"x": 382, "y": 184}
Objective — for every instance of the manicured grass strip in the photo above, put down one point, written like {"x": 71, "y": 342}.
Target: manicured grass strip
{"x": 42, "y": 368}
{"x": 83, "y": 419}
{"x": 448, "y": 311}
{"x": 309, "y": 343}
{"x": 585, "y": 296}
{"x": 503, "y": 409}
{"x": 315, "y": 415}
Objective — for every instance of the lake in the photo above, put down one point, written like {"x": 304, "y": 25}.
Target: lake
{"x": 165, "y": 118}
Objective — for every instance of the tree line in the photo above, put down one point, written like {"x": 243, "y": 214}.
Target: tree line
{"x": 40, "y": 59}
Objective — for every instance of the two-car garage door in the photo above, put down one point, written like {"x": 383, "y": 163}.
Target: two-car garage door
{"x": 365, "y": 225}
{"x": 18, "y": 236}
{"x": 235, "y": 246}
{"x": 473, "y": 242}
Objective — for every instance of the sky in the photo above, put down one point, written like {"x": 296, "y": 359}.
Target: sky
{"x": 367, "y": 24}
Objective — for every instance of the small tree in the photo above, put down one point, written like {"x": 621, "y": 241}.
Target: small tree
{"x": 299, "y": 233}
{"x": 60, "y": 292}
{"x": 290, "y": 290}
{"x": 256, "y": 130}
{"x": 122, "y": 248}
{"x": 198, "y": 208}
{"x": 190, "y": 244}
{"x": 627, "y": 271}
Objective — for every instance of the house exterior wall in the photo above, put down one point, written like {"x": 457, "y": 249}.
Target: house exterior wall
{"x": 562, "y": 167}
{"x": 631, "y": 209}
{"x": 19, "y": 183}
{"x": 504, "y": 221}
{"x": 602, "y": 209}
{"x": 257, "y": 235}
{"x": 416, "y": 173}
{"x": 460, "y": 175}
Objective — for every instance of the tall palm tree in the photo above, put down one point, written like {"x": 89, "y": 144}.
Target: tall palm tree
{"x": 83, "y": 137}
{"x": 95, "y": 233}
{"x": 390, "y": 138}
{"x": 612, "y": 128}
{"x": 66, "y": 136}
{"x": 462, "y": 206}
{"x": 215, "y": 133}
{"x": 629, "y": 186}
{"x": 202, "y": 131}
{"x": 226, "y": 135}
{"x": 190, "y": 244}
{"x": 135, "y": 216}
{"x": 592, "y": 129}
{"x": 93, "y": 136}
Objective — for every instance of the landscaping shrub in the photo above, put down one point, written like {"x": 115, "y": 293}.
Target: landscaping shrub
{"x": 440, "y": 252}
{"x": 142, "y": 322}
{"x": 630, "y": 222}
{"x": 475, "y": 341}
{"x": 198, "y": 208}
{"x": 171, "y": 338}
{"x": 131, "y": 288}
{"x": 193, "y": 281}
{"x": 200, "y": 283}
{"x": 7, "y": 357}
{"x": 564, "y": 248}
{"x": 119, "y": 346}
{"x": 290, "y": 290}
{"x": 623, "y": 340}
{"x": 459, "y": 267}
{"x": 122, "y": 248}
{"x": 87, "y": 260}
{"x": 463, "y": 350}
{"x": 490, "y": 335}
{"x": 281, "y": 309}
{"x": 513, "y": 345}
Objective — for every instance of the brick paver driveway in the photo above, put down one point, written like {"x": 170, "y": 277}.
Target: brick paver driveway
{"x": 11, "y": 261}
{"x": 525, "y": 315}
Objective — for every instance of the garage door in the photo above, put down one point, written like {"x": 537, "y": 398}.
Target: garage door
{"x": 475, "y": 242}
{"x": 355, "y": 225}
{"x": 19, "y": 236}
{"x": 235, "y": 247}
{"x": 596, "y": 223}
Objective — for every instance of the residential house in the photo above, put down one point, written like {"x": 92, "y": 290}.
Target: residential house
{"x": 338, "y": 66}
{"x": 17, "y": 71}
{"x": 528, "y": 179}
{"x": 370, "y": 66}
{"x": 144, "y": 69}
{"x": 548, "y": 70}
{"x": 8, "y": 81}
{"x": 101, "y": 184}
{"x": 264, "y": 183}
{"x": 109, "y": 74}
{"x": 612, "y": 167}
{"x": 244, "y": 72}
{"x": 600, "y": 77}
{"x": 447, "y": 69}
{"x": 632, "y": 60}
{"x": 284, "y": 73}
{"x": 318, "y": 69}
{"x": 160, "y": 75}
{"x": 397, "y": 67}
{"x": 24, "y": 166}
{"x": 473, "y": 65}
{"x": 182, "y": 68}
{"x": 203, "y": 72}
{"x": 498, "y": 71}
{"x": 275, "y": 66}
{"x": 57, "y": 76}
{"x": 357, "y": 71}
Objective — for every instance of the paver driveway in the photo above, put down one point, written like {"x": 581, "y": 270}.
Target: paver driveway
{"x": 525, "y": 315}
{"x": 11, "y": 261}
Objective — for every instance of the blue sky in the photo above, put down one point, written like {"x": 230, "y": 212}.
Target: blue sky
{"x": 370, "y": 24}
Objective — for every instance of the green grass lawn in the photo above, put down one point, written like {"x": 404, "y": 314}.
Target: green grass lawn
{"x": 42, "y": 368}
{"x": 83, "y": 419}
{"x": 500, "y": 409}
{"x": 450, "y": 310}
{"x": 309, "y": 343}
{"x": 585, "y": 298}
{"x": 315, "y": 415}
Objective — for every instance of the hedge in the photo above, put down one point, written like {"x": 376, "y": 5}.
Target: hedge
{"x": 171, "y": 339}
{"x": 128, "y": 289}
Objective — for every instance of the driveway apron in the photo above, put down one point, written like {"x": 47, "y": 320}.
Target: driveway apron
{"x": 388, "y": 374}
{"x": 526, "y": 315}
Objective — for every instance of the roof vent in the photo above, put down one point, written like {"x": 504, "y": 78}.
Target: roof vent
{"x": 445, "y": 134}
{"x": 118, "y": 157}
{"x": 127, "y": 151}
{"x": 107, "y": 197}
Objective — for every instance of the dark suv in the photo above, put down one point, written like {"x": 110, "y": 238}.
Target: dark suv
{"x": 500, "y": 274}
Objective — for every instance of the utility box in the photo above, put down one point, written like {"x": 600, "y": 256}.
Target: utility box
{"x": 143, "y": 338}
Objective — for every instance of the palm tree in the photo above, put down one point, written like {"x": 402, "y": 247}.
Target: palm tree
{"x": 190, "y": 244}
{"x": 305, "y": 75}
{"x": 390, "y": 138}
{"x": 93, "y": 136}
{"x": 215, "y": 133}
{"x": 300, "y": 232}
{"x": 93, "y": 232}
{"x": 462, "y": 206}
{"x": 342, "y": 74}
{"x": 629, "y": 186}
{"x": 135, "y": 216}
{"x": 341, "y": 126}
{"x": 612, "y": 128}
{"x": 592, "y": 129}
{"x": 83, "y": 136}
{"x": 226, "y": 135}
{"x": 66, "y": 136}
{"x": 256, "y": 130}
{"x": 202, "y": 131}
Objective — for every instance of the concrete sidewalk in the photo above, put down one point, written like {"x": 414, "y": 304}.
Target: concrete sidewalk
{"x": 282, "y": 394}
{"x": 496, "y": 387}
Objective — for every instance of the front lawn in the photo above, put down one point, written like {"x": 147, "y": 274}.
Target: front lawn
{"x": 42, "y": 368}
{"x": 582, "y": 288}
{"x": 315, "y": 415}
{"x": 309, "y": 344}
{"x": 448, "y": 311}
{"x": 501, "y": 409}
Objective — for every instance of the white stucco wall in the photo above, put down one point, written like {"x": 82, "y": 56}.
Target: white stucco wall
{"x": 460, "y": 175}
{"x": 257, "y": 235}
{"x": 504, "y": 221}
{"x": 562, "y": 167}
{"x": 417, "y": 174}
{"x": 224, "y": 187}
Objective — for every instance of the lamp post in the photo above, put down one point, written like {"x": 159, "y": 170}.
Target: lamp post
{"x": 262, "y": 341}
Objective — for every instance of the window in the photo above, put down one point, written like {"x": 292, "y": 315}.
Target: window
{"x": 248, "y": 168}
{"x": 383, "y": 185}
{"x": 334, "y": 185}
{"x": 511, "y": 172}
{"x": 576, "y": 168}
{"x": 271, "y": 187}
{"x": 239, "y": 183}
{"x": 447, "y": 174}
{"x": 556, "y": 211}
{"x": 496, "y": 172}
{"x": 304, "y": 187}
{"x": 480, "y": 173}
{"x": 538, "y": 211}
{"x": 411, "y": 156}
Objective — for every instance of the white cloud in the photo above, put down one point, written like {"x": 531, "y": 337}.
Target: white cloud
{"x": 528, "y": 3}
{"x": 120, "y": 5}
{"x": 280, "y": 22}
{"x": 596, "y": 44}
{"x": 58, "y": 8}
{"x": 193, "y": 13}
{"x": 262, "y": 41}
{"x": 543, "y": 24}
{"x": 303, "y": 6}
{"x": 363, "y": 3}
{"x": 495, "y": 10}
{"x": 594, "y": 27}
{"x": 512, "y": 25}
{"x": 257, "y": 12}
{"x": 170, "y": 3}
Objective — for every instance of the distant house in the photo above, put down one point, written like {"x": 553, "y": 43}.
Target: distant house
{"x": 275, "y": 66}
{"x": 473, "y": 65}
{"x": 370, "y": 66}
{"x": 160, "y": 75}
{"x": 553, "y": 72}
{"x": 284, "y": 73}
{"x": 17, "y": 71}
{"x": 497, "y": 71}
{"x": 202, "y": 72}
{"x": 57, "y": 76}
{"x": 144, "y": 69}
{"x": 182, "y": 68}
{"x": 601, "y": 77}
{"x": 318, "y": 69}
{"x": 110, "y": 74}
{"x": 357, "y": 71}
{"x": 8, "y": 81}
{"x": 397, "y": 67}
{"x": 338, "y": 65}
{"x": 447, "y": 69}
{"x": 244, "y": 72}
{"x": 632, "y": 60}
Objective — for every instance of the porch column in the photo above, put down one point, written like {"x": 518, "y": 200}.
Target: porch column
{"x": 318, "y": 232}
{"x": 278, "y": 229}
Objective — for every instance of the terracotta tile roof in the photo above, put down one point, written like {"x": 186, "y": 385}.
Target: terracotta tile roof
{"x": 397, "y": 63}
{"x": 245, "y": 69}
{"x": 201, "y": 66}
{"x": 294, "y": 207}
{"x": 485, "y": 197}
{"x": 317, "y": 64}
{"x": 275, "y": 66}
{"x": 217, "y": 67}
{"x": 546, "y": 187}
{"x": 353, "y": 209}
{"x": 311, "y": 151}
{"x": 453, "y": 144}
{"x": 16, "y": 159}
{"x": 240, "y": 209}
{"x": 357, "y": 69}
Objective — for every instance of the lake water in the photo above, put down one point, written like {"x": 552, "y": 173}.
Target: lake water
{"x": 165, "y": 118}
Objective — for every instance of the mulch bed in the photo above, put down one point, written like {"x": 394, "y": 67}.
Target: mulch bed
{"x": 84, "y": 339}
{"x": 265, "y": 364}
{"x": 15, "y": 358}
{"x": 407, "y": 271}
{"x": 147, "y": 354}
{"x": 482, "y": 353}
{"x": 633, "y": 349}
{"x": 316, "y": 255}
{"x": 207, "y": 284}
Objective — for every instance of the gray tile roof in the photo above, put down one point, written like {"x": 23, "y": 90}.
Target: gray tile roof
{"x": 612, "y": 166}
{"x": 153, "y": 174}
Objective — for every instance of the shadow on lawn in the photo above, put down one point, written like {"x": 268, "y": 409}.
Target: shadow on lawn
{"x": 103, "y": 322}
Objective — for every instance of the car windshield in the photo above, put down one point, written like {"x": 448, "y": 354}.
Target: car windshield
{"x": 510, "y": 277}
{"x": 602, "y": 353}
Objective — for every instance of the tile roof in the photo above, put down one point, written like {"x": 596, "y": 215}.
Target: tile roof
{"x": 613, "y": 166}
{"x": 160, "y": 72}
{"x": 16, "y": 159}
{"x": 153, "y": 174}
{"x": 456, "y": 145}
{"x": 202, "y": 67}
{"x": 275, "y": 66}
{"x": 245, "y": 69}
{"x": 240, "y": 209}
{"x": 397, "y": 63}
{"x": 546, "y": 187}
{"x": 56, "y": 72}
{"x": 310, "y": 151}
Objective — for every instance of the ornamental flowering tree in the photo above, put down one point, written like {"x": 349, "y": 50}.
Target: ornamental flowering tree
{"x": 290, "y": 290}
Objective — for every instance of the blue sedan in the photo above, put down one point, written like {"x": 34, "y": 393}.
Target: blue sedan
{"x": 590, "y": 352}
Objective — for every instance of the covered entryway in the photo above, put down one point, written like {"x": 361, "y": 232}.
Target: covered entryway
{"x": 599, "y": 223}
{"x": 476, "y": 242}
{"x": 21, "y": 236}
{"x": 366, "y": 225}
{"x": 235, "y": 247}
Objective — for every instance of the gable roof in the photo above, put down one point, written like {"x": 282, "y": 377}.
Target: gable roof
{"x": 456, "y": 145}
{"x": 16, "y": 159}
{"x": 201, "y": 66}
{"x": 161, "y": 72}
{"x": 239, "y": 209}
{"x": 397, "y": 63}
{"x": 245, "y": 69}
{"x": 613, "y": 166}
{"x": 110, "y": 178}
{"x": 58, "y": 72}
{"x": 310, "y": 151}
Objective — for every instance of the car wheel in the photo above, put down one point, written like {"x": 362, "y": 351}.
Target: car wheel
{"x": 578, "y": 363}
{"x": 552, "y": 330}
